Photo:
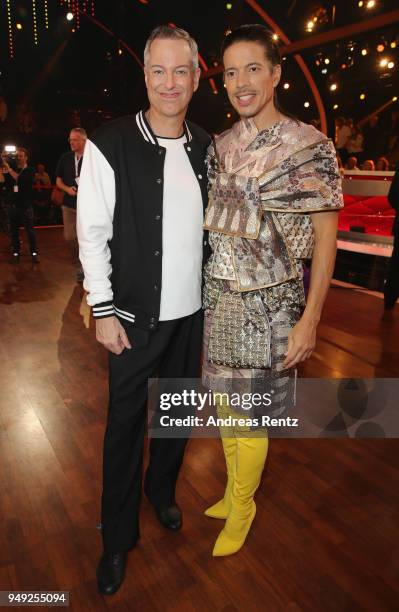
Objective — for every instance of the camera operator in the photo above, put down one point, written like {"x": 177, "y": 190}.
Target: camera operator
{"x": 18, "y": 182}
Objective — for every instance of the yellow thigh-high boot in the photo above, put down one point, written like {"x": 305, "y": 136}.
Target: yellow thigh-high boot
{"x": 250, "y": 461}
{"x": 221, "y": 509}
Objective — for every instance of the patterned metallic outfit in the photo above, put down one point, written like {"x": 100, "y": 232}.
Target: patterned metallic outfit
{"x": 263, "y": 187}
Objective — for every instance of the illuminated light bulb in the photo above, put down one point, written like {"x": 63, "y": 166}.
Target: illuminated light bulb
{"x": 391, "y": 65}
{"x": 333, "y": 87}
{"x": 335, "y": 106}
{"x": 306, "y": 104}
{"x": 360, "y": 3}
{"x": 228, "y": 115}
{"x": 380, "y": 48}
{"x": 19, "y": 26}
{"x": 364, "y": 51}
{"x": 120, "y": 51}
{"x": 275, "y": 37}
{"x": 286, "y": 85}
{"x": 394, "y": 99}
{"x": 69, "y": 16}
{"x": 324, "y": 71}
{"x": 362, "y": 96}
{"x": 383, "y": 62}
{"x": 326, "y": 61}
{"x": 309, "y": 26}
{"x": 370, "y": 4}
{"x": 393, "y": 44}
{"x": 229, "y": 6}
{"x": 343, "y": 66}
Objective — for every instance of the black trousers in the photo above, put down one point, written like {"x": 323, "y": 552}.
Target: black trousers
{"x": 391, "y": 289}
{"x": 22, "y": 216}
{"x": 172, "y": 351}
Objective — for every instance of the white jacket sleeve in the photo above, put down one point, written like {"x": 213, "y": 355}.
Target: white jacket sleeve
{"x": 95, "y": 211}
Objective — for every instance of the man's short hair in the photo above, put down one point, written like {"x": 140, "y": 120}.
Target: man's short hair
{"x": 166, "y": 32}
{"x": 80, "y": 130}
{"x": 23, "y": 151}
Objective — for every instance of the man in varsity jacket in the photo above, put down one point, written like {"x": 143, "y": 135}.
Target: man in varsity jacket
{"x": 142, "y": 193}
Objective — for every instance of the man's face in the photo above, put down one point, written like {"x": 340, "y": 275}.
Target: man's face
{"x": 21, "y": 158}
{"x": 76, "y": 141}
{"x": 170, "y": 76}
{"x": 249, "y": 78}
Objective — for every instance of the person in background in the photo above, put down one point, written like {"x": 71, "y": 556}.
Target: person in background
{"x": 19, "y": 188}
{"x": 67, "y": 173}
{"x": 368, "y": 165}
{"x": 382, "y": 164}
{"x": 342, "y": 135}
{"x": 355, "y": 143}
{"x": 391, "y": 290}
{"x": 42, "y": 177}
{"x": 352, "y": 163}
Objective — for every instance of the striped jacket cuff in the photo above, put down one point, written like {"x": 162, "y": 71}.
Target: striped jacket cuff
{"x": 102, "y": 310}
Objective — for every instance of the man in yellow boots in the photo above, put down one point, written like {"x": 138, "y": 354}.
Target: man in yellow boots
{"x": 274, "y": 195}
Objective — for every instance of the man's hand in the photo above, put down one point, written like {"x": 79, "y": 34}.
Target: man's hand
{"x": 111, "y": 334}
{"x": 72, "y": 191}
{"x": 301, "y": 343}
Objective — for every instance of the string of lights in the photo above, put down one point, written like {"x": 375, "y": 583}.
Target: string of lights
{"x": 34, "y": 20}
{"x": 10, "y": 34}
{"x": 46, "y": 22}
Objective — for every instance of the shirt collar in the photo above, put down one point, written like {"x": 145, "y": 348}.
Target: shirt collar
{"x": 149, "y": 135}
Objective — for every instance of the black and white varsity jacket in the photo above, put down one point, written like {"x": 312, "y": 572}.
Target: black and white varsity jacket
{"x": 119, "y": 217}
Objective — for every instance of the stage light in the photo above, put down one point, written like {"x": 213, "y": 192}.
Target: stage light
{"x": 306, "y": 104}
{"x": 309, "y": 26}
{"x": 324, "y": 71}
{"x": 286, "y": 85}
{"x": 275, "y": 37}
{"x": 360, "y": 3}
{"x": 228, "y": 115}
{"x": 333, "y": 87}
{"x": 335, "y": 106}
{"x": 69, "y": 16}
{"x": 383, "y": 62}
{"x": 362, "y": 96}
{"x": 326, "y": 61}
{"x": 19, "y": 26}
{"x": 229, "y": 6}
{"x": 343, "y": 66}
{"x": 364, "y": 51}
{"x": 394, "y": 99}
{"x": 120, "y": 51}
{"x": 393, "y": 44}
{"x": 391, "y": 65}
{"x": 370, "y": 4}
{"x": 380, "y": 48}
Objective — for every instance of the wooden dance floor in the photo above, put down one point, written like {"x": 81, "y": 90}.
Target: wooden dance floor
{"x": 326, "y": 535}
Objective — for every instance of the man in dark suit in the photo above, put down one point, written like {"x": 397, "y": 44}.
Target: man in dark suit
{"x": 391, "y": 291}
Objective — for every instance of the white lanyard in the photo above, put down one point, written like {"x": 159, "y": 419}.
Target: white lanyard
{"x": 76, "y": 166}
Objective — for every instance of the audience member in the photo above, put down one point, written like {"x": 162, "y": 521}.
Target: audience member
{"x": 352, "y": 163}
{"x": 368, "y": 165}
{"x": 355, "y": 143}
{"x": 41, "y": 176}
{"x": 342, "y": 135}
{"x": 382, "y": 164}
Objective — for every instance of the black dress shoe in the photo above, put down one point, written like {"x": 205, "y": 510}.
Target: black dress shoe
{"x": 111, "y": 572}
{"x": 170, "y": 517}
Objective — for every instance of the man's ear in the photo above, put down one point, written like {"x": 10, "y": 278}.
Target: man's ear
{"x": 145, "y": 76}
{"x": 276, "y": 75}
{"x": 197, "y": 75}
